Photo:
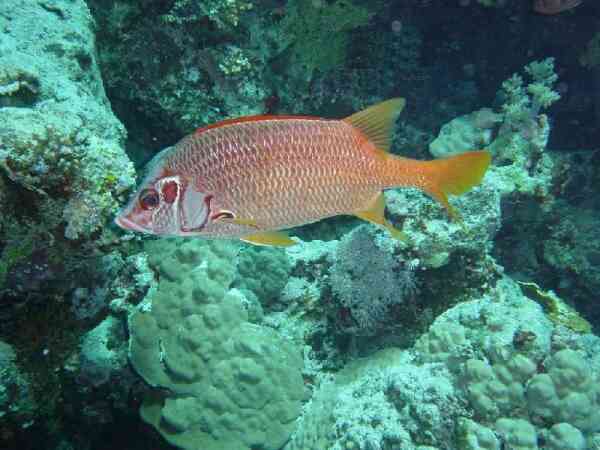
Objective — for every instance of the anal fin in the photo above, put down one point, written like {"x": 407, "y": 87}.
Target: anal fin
{"x": 375, "y": 214}
{"x": 270, "y": 238}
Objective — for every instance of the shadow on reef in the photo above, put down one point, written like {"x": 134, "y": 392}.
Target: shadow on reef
{"x": 123, "y": 431}
{"x": 556, "y": 240}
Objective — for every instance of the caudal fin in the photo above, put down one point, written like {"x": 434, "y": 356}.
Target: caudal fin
{"x": 455, "y": 175}
{"x": 439, "y": 178}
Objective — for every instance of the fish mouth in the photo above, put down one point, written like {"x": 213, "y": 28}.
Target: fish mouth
{"x": 127, "y": 224}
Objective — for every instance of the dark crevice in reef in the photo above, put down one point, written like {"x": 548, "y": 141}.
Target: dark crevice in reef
{"x": 21, "y": 91}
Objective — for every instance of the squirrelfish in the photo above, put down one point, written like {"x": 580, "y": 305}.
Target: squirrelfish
{"x": 250, "y": 178}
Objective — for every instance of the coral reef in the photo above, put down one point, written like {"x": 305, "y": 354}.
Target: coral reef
{"x": 368, "y": 281}
{"x": 63, "y": 175}
{"x": 521, "y": 132}
{"x": 222, "y": 13}
{"x": 232, "y": 383}
{"x": 214, "y": 65}
{"x": 62, "y": 161}
{"x": 268, "y": 282}
{"x": 353, "y": 341}
{"x": 62, "y": 144}
{"x": 317, "y": 33}
{"x": 558, "y": 311}
{"x": 413, "y": 398}
{"x": 16, "y": 399}
{"x": 468, "y": 132}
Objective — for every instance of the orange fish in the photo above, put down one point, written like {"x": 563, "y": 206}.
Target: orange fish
{"x": 550, "y": 7}
{"x": 251, "y": 177}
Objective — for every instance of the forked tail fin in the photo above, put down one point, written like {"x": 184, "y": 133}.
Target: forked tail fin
{"x": 439, "y": 178}
{"x": 454, "y": 175}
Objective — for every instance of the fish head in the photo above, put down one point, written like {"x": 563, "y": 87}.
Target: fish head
{"x": 166, "y": 204}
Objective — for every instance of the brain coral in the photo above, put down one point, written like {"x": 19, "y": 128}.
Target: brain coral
{"x": 233, "y": 384}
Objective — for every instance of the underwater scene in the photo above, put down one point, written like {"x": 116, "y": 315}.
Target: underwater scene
{"x": 299, "y": 224}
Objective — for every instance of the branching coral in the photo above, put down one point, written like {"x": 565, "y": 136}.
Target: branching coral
{"x": 524, "y": 102}
{"x": 524, "y": 132}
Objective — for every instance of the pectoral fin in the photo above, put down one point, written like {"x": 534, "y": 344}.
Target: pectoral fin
{"x": 270, "y": 238}
{"x": 227, "y": 216}
{"x": 247, "y": 222}
{"x": 375, "y": 214}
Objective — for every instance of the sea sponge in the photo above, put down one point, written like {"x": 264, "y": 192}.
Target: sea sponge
{"x": 472, "y": 131}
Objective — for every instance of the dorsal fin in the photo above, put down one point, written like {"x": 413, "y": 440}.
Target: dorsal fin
{"x": 377, "y": 121}
{"x": 256, "y": 118}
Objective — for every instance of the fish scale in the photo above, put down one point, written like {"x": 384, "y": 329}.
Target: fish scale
{"x": 306, "y": 148}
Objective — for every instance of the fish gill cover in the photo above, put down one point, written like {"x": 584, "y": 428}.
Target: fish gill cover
{"x": 478, "y": 333}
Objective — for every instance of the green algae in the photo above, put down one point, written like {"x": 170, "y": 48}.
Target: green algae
{"x": 556, "y": 309}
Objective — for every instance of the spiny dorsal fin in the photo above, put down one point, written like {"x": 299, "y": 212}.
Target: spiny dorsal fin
{"x": 377, "y": 121}
{"x": 255, "y": 118}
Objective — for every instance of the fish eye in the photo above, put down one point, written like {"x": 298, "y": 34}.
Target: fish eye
{"x": 170, "y": 191}
{"x": 149, "y": 199}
